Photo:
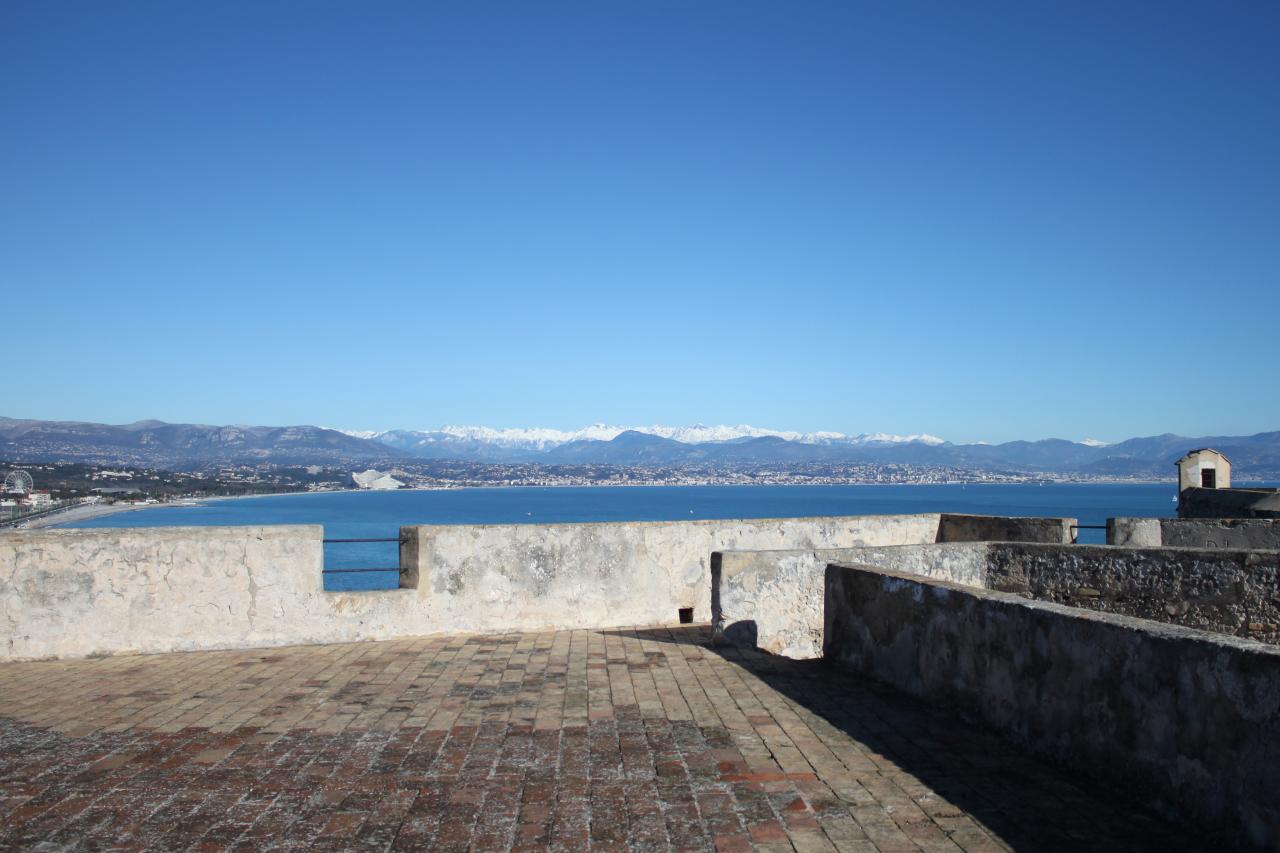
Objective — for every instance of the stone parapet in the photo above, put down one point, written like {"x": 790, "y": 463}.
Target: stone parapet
{"x": 1237, "y": 533}
{"x": 1219, "y": 590}
{"x": 772, "y": 600}
{"x": 72, "y": 593}
{"x": 529, "y": 576}
{"x": 953, "y": 527}
{"x": 1187, "y": 721}
{"x": 1229, "y": 503}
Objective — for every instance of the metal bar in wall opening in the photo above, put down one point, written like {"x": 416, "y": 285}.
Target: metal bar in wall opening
{"x": 345, "y": 571}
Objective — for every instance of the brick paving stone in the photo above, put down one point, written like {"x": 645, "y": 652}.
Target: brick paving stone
{"x": 626, "y": 739}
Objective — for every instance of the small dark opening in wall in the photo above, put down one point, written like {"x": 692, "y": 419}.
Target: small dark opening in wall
{"x": 686, "y": 615}
{"x": 1209, "y": 478}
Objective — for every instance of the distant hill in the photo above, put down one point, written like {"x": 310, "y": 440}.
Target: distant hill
{"x": 627, "y": 448}
{"x": 738, "y": 446}
{"x": 159, "y": 444}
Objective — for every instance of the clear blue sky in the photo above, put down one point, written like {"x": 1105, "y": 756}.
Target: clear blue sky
{"x": 989, "y": 222}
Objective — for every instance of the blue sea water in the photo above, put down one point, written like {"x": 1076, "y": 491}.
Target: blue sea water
{"x": 350, "y": 515}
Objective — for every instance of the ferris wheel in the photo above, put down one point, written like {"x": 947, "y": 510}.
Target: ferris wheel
{"x": 18, "y": 482}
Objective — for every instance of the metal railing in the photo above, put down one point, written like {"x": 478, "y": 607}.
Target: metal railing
{"x": 396, "y": 569}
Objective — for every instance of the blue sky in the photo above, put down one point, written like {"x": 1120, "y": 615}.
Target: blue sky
{"x": 998, "y": 221}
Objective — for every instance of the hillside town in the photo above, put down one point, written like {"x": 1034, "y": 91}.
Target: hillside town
{"x": 43, "y": 487}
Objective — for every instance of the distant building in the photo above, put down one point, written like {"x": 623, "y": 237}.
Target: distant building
{"x": 1205, "y": 468}
{"x": 372, "y": 479}
{"x": 1205, "y": 490}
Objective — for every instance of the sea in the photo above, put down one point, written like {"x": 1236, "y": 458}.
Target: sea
{"x": 379, "y": 515}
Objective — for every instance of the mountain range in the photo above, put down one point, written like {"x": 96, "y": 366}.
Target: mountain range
{"x": 159, "y": 444}
{"x": 588, "y": 443}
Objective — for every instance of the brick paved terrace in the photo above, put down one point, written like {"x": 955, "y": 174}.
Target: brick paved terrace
{"x": 614, "y": 739}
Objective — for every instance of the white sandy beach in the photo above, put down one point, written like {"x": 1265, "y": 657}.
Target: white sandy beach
{"x": 83, "y": 512}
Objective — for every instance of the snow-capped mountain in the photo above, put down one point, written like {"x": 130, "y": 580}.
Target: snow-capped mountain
{"x": 182, "y": 446}
{"x": 356, "y": 433}
{"x": 886, "y": 438}
{"x": 543, "y": 439}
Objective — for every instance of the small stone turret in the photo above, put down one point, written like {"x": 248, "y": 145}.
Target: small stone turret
{"x": 1205, "y": 468}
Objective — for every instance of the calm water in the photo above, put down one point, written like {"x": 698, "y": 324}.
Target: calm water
{"x": 349, "y": 515}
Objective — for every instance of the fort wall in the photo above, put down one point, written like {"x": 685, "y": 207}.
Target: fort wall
{"x": 1221, "y": 590}
{"x": 953, "y": 527}
{"x": 522, "y": 576}
{"x": 1189, "y": 722}
{"x": 773, "y": 599}
{"x": 1229, "y": 503}
{"x": 72, "y": 593}
{"x": 1195, "y": 532}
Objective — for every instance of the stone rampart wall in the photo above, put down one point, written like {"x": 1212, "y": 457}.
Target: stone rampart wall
{"x": 1225, "y": 591}
{"x": 996, "y": 528}
{"x": 772, "y": 600}
{"x": 525, "y": 576}
{"x": 1134, "y": 532}
{"x": 1229, "y": 503}
{"x": 1239, "y": 533}
{"x": 70, "y": 593}
{"x": 1187, "y": 722}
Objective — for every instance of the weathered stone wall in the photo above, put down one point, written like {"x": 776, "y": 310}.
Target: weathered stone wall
{"x": 1220, "y": 533}
{"x": 68, "y": 593}
{"x": 1229, "y": 503}
{"x": 525, "y": 576}
{"x": 79, "y": 592}
{"x": 1230, "y": 592}
{"x": 1240, "y": 533}
{"x": 772, "y": 600}
{"x": 1187, "y": 722}
{"x": 1134, "y": 532}
{"x": 994, "y": 528}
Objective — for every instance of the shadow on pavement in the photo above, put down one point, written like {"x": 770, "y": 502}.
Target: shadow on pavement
{"x": 1026, "y": 803}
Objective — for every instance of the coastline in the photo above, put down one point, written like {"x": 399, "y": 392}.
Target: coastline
{"x": 533, "y": 486}
{"x": 80, "y": 513}
{"x": 91, "y": 511}
{"x": 83, "y": 513}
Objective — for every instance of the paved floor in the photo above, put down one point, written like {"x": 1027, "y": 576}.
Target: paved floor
{"x": 628, "y": 739}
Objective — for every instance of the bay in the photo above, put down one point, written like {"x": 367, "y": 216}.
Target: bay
{"x": 350, "y": 515}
